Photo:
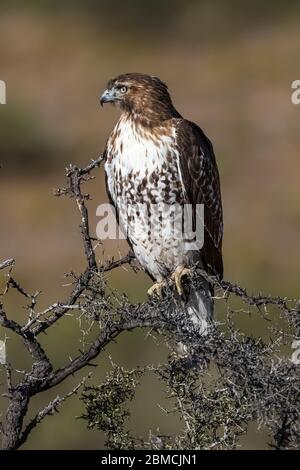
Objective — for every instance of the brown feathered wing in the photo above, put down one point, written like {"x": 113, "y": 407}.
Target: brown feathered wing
{"x": 201, "y": 182}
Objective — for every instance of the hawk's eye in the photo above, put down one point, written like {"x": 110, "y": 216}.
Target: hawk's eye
{"x": 123, "y": 89}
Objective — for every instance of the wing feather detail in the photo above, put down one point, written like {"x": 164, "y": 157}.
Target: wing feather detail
{"x": 200, "y": 180}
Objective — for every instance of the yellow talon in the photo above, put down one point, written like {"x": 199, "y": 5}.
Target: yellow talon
{"x": 177, "y": 275}
{"x": 157, "y": 288}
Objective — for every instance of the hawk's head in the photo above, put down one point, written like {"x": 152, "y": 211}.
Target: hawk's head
{"x": 142, "y": 95}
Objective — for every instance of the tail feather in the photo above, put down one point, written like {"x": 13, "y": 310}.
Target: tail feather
{"x": 200, "y": 306}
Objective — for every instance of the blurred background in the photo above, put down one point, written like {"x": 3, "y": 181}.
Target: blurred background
{"x": 229, "y": 66}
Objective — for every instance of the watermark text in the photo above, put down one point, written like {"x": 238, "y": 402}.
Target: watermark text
{"x": 154, "y": 222}
{"x": 295, "y": 97}
{"x": 2, "y": 92}
{"x": 2, "y": 352}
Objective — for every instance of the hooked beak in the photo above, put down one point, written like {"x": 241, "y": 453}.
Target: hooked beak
{"x": 107, "y": 97}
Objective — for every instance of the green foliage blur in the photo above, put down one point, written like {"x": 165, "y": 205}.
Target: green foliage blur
{"x": 229, "y": 66}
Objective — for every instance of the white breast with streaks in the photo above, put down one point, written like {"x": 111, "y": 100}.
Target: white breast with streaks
{"x": 142, "y": 168}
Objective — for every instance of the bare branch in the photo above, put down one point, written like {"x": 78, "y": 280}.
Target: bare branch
{"x": 8, "y": 263}
{"x": 9, "y": 324}
{"x": 50, "y": 409}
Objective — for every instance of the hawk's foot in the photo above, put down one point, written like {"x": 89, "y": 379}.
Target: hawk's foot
{"x": 157, "y": 288}
{"x": 177, "y": 276}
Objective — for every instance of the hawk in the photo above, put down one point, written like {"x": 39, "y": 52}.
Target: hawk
{"x": 154, "y": 156}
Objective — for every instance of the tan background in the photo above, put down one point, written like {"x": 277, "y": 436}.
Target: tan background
{"x": 229, "y": 66}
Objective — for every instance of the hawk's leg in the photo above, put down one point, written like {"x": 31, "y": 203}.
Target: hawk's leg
{"x": 177, "y": 276}
{"x": 157, "y": 288}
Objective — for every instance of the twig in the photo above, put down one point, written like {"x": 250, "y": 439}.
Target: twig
{"x": 50, "y": 409}
{"x": 8, "y": 263}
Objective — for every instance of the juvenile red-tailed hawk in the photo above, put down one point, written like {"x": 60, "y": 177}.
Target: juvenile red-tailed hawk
{"x": 154, "y": 156}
